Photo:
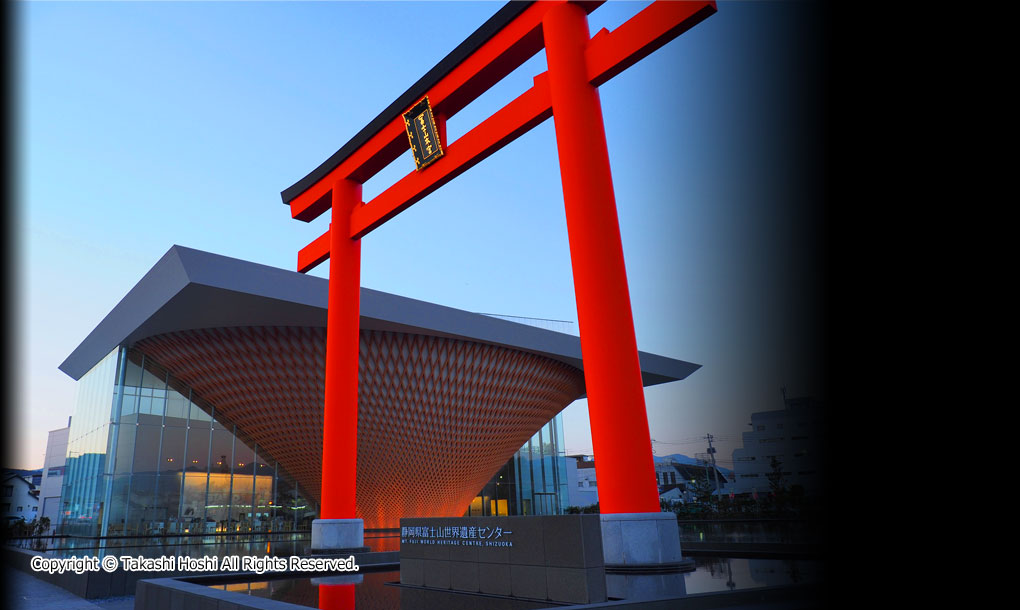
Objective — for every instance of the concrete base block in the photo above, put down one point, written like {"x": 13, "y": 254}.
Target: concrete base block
{"x": 331, "y": 536}
{"x": 494, "y": 578}
{"x": 640, "y": 540}
{"x": 437, "y": 574}
{"x": 412, "y": 572}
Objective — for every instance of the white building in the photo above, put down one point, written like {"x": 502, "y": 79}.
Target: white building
{"x": 666, "y": 474}
{"x": 19, "y": 497}
{"x": 794, "y": 436}
{"x": 53, "y": 473}
{"x": 678, "y": 481}
{"x": 582, "y": 486}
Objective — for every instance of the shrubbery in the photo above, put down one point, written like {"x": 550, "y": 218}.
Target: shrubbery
{"x": 26, "y": 529}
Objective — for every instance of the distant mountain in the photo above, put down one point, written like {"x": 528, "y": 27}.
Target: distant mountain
{"x": 683, "y": 459}
{"x": 676, "y": 457}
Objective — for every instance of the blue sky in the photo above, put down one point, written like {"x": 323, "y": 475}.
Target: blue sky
{"x": 144, "y": 125}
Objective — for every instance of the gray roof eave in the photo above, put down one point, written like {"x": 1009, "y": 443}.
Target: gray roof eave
{"x": 190, "y": 289}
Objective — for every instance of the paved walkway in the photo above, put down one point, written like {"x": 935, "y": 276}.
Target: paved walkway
{"x": 26, "y": 592}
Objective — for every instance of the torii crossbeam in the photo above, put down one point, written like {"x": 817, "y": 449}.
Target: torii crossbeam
{"x": 568, "y": 92}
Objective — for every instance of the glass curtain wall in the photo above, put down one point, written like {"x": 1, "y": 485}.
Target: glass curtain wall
{"x": 532, "y": 482}
{"x": 147, "y": 457}
{"x": 87, "y": 469}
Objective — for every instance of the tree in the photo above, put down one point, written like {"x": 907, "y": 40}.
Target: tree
{"x": 777, "y": 482}
{"x": 40, "y": 527}
{"x": 702, "y": 491}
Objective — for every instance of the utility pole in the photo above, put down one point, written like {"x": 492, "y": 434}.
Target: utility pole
{"x": 708, "y": 483}
{"x": 711, "y": 454}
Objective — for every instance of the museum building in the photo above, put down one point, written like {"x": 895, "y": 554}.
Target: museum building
{"x": 200, "y": 396}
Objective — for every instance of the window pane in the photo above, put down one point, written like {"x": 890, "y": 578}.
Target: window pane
{"x": 125, "y": 450}
{"x": 219, "y": 498}
{"x": 193, "y": 511}
{"x": 142, "y": 514}
{"x": 176, "y": 409}
{"x": 197, "y": 458}
{"x": 172, "y": 458}
{"x": 118, "y": 505}
{"x": 167, "y": 502}
{"x": 241, "y": 494}
{"x": 146, "y": 448}
{"x": 222, "y": 451}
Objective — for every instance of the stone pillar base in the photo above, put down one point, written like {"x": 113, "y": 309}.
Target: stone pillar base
{"x": 642, "y": 542}
{"x": 338, "y": 536}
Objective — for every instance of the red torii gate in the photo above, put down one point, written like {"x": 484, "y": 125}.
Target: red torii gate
{"x": 567, "y": 91}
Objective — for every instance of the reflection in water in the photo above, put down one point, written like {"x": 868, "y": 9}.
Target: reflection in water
{"x": 711, "y": 575}
{"x": 721, "y": 574}
{"x": 336, "y": 597}
{"x": 370, "y": 593}
{"x": 766, "y": 531}
{"x": 365, "y": 590}
{"x": 646, "y": 586}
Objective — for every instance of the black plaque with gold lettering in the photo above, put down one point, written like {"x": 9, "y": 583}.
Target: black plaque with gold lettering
{"x": 422, "y": 133}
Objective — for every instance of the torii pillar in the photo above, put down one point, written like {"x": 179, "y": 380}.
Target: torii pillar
{"x": 634, "y": 530}
{"x": 338, "y": 530}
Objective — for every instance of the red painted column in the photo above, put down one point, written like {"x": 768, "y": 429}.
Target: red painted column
{"x": 340, "y": 416}
{"x": 612, "y": 373}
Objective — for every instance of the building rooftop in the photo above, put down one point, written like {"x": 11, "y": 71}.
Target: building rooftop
{"x": 191, "y": 289}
